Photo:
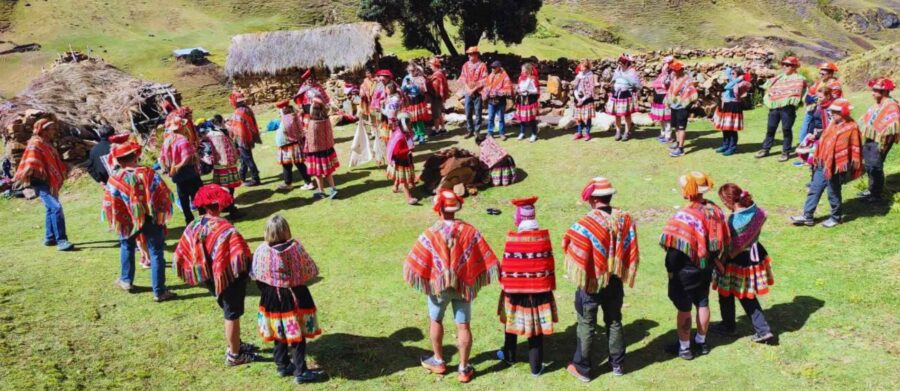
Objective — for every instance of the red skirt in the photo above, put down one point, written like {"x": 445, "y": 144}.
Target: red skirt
{"x": 418, "y": 112}
{"x": 729, "y": 118}
{"x": 322, "y": 163}
{"x": 584, "y": 113}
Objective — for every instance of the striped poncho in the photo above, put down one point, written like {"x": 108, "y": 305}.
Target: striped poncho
{"x": 840, "y": 150}
{"x": 882, "y": 122}
{"x": 41, "y": 161}
{"x": 243, "y": 128}
{"x": 450, "y": 255}
{"x": 528, "y": 264}
{"x": 681, "y": 93}
{"x": 287, "y": 268}
{"x": 698, "y": 230}
{"x": 133, "y": 195}
{"x": 784, "y": 90}
{"x": 599, "y": 246}
{"x": 211, "y": 249}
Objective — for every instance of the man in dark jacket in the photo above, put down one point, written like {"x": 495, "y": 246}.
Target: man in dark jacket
{"x": 96, "y": 165}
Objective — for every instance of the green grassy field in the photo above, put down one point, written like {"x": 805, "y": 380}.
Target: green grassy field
{"x": 834, "y": 305}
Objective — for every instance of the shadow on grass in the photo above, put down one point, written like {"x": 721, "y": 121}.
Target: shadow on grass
{"x": 357, "y": 357}
{"x": 112, "y": 243}
{"x": 858, "y": 208}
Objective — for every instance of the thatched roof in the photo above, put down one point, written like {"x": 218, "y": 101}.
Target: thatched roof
{"x": 88, "y": 93}
{"x": 332, "y": 47}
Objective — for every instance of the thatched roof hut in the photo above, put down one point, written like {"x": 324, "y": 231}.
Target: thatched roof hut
{"x": 84, "y": 93}
{"x": 266, "y": 65}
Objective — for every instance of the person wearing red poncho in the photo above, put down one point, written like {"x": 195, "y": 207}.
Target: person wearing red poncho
{"x": 602, "y": 256}
{"x": 837, "y": 159}
{"x": 178, "y": 159}
{"x": 745, "y": 273}
{"x": 245, "y": 133}
{"x": 213, "y": 253}
{"x": 450, "y": 262}
{"x": 43, "y": 170}
{"x": 182, "y": 112}
{"x": 695, "y": 239}
{"x": 138, "y": 202}
{"x": 527, "y": 307}
{"x": 880, "y": 131}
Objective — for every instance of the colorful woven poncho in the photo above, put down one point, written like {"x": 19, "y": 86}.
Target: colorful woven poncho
{"x": 840, "y": 150}
{"x": 211, "y": 249}
{"x": 177, "y": 150}
{"x": 243, "y": 127}
{"x": 528, "y": 264}
{"x": 745, "y": 227}
{"x": 882, "y": 122}
{"x": 288, "y": 268}
{"x": 41, "y": 161}
{"x": 698, "y": 230}
{"x": 784, "y": 90}
{"x": 600, "y": 245}
{"x": 450, "y": 256}
{"x": 224, "y": 153}
{"x": 682, "y": 92}
{"x": 132, "y": 195}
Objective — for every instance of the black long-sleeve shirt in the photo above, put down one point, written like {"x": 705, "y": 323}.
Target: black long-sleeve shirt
{"x": 96, "y": 168}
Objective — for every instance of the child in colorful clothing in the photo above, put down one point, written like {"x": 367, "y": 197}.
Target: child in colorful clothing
{"x": 318, "y": 145}
{"x": 494, "y": 157}
{"x": 212, "y": 252}
{"x": 819, "y": 118}
{"x": 583, "y": 92}
{"x": 729, "y": 117}
{"x": 827, "y": 79}
{"x": 659, "y": 111}
{"x": 528, "y": 90}
{"x": 224, "y": 158}
{"x": 289, "y": 139}
{"x": 287, "y": 312}
{"x": 527, "y": 307}
{"x": 400, "y": 162}
{"x": 681, "y": 95}
{"x": 413, "y": 87}
{"x": 497, "y": 89}
{"x": 745, "y": 272}
{"x": 623, "y": 100}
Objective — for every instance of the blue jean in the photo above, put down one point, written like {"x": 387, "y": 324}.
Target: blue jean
{"x": 156, "y": 244}
{"x": 248, "y": 164}
{"x": 806, "y": 124}
{"x": 496, "y": 110}
{"x": 818, "y": 186}
{"x": 437, "y": 305}
{"x": 473, "y": 113}
{"x": 54, "y": 220}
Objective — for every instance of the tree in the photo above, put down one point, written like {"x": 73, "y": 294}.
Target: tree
{"x": 422, "y": 21}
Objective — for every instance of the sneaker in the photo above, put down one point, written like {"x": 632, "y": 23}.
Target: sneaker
{"x": 675, "y": 348}
{"x": 661, "y": 138}
{"x": 729, "y": 152}
{"x": 165, "y": 296}
{"x": 318, "y": 195}
{"x": 287, "y": 371}
{"x": 618, "y": 137}
{"x": 252, "y": 183}
{"x": 721, "y": 329}
{"x": 283, "y": 187}
{"x": 802, "y": 220}
{"x": 412, "y": 201}
{"x": 49, "y": 243}
{"x": 145, "y": 266}
{"x": 533, "y": 138}
{"x": 577, "y": 136}
{"x": 831, "y": 223}
{"x": 309, "y": 376}
{"x": 506, "y": 360}
{"x": 233, "y": 360}
{"x": 521, "y": 137}
{"x": 626, "y": 137}
{"x": 126, "y": 286}
{"x": 587, "y": 137}
{"x": 785, "y": 156}
{"x": 65, "y": 245}
{"x": 721, "y": 149}
{"x": 677, "y": 153}
{"x": 333, "y": 194}
{"x": 431, "y": 364}
{"x": 673, "y": 147}
{"x": 862, "y": 194}
{"x": 701, "y": 349}
{"x": 574, "y": 372}
{"x": 617, "y": 370}
{"x": 466, "y": 375}
{"x": 248, "y": 347}
{"x": 762, "y": 338}
{"x": 761, "y": 154}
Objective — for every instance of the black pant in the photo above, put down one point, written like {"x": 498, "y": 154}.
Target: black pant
{"x": 785, "y": 116}
{"x": 609, "y": 299}
{"x": 248, "y": 164}
{"x": 873, "y": 158}
{"x": 288, "y": 176}
{"x": 751, "y": 307}
{"x": 285, "y": 354}
{"x": 535, "y": 351}
{"x": 187, "y": 183}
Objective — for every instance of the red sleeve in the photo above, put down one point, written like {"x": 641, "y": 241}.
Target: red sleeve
{"x": 401, "y": 149}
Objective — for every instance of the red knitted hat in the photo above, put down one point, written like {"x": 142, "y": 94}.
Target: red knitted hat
{"x": 213, "y": 194}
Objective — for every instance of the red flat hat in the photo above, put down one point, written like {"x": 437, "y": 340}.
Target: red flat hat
{"x": 119, "y": 138}
{"x": 385, "y": 72}
{"x": 126, "y": 149}
{"x": 283, "y": 103}
{"x": 213, "y": 194}
{"x": 524, "y": 201}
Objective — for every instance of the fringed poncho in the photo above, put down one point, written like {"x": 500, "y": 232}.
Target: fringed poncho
{"x": 599, "y": 246}
{"x": 450, "y": 256}
{"x": 784, "y": 90}
{"x": 840, "y": 150}
{"x": 681, "y": 93}
{"x": 528, "y": 264}
{"x": 211, "y": 249}
{"x": 243, "y": 127}
{"x": 133, "y": 195}
{"x": 41, "y": 161}
{"x": 882, "y": 122}
{"x": 699, "y": 231}
{"x": 286, "y": 268}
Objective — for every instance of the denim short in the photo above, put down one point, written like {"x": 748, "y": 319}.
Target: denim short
{"x": 437, "y": 305}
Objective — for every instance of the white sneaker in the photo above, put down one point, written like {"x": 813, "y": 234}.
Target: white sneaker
{"x": 308, "y": 186}
{"x": 521, "y": 137}
{"x": 533, "y": 138}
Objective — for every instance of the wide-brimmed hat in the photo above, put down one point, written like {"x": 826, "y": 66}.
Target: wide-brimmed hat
{"x": 695, "y": 183}
{"x": 841, "y": 106}
{"x": 125, "y": 149}
{"x": 828, "y": 66}
{"x": 447, "y": 201}
{"x": 472, "y": 50}
{"x": 597, "y": 187}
